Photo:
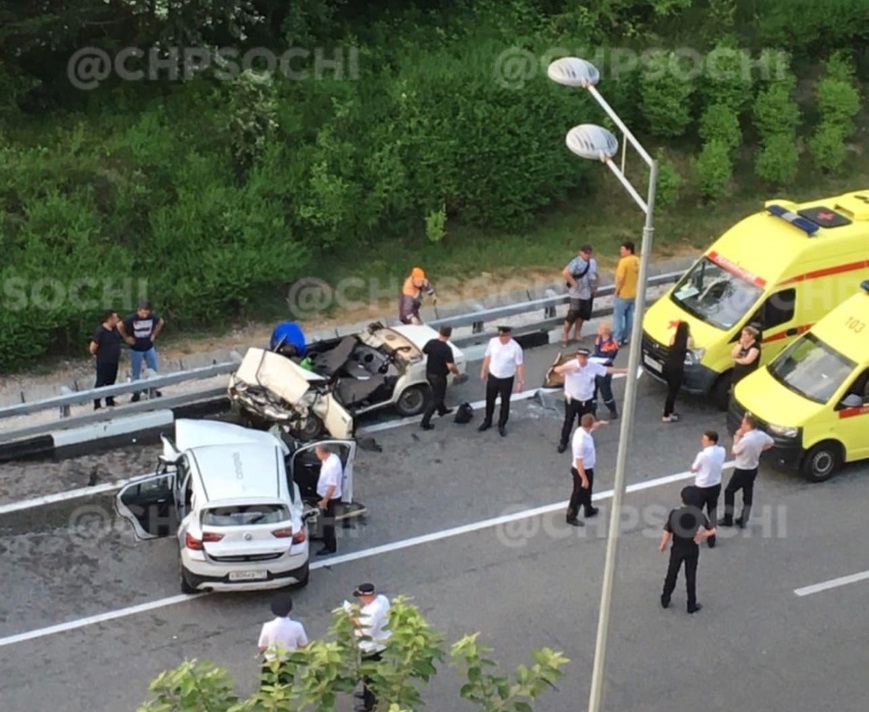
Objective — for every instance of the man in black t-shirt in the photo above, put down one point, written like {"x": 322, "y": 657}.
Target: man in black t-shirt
{"x": 687, "y": 527}
{"x": 106, "y": 346}
{"x": 140, "y": 330}
{"x": 439, "y": 363}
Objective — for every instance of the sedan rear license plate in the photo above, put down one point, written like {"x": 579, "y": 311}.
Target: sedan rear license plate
{"x": 248, "y": 575}
{"x": 651, "y": 363}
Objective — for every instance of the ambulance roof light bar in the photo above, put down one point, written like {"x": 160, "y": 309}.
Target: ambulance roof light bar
{"x": 807, "y": 226}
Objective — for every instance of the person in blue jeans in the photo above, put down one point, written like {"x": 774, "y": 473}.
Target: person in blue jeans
{"x": 627, "y": 277}
{"x": 140, "y": 330}
{"x": 605, "y": 348}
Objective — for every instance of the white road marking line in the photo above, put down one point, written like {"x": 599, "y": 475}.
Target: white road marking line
{"x": 64, "y": 496}
{"x": 833, "y": 583}
{"x": 92, "y": 620}
{"x": 347, "y": 558}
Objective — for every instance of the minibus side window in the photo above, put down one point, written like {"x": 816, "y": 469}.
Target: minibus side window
{"x": 779, "y": 308}
{"x": 861, "y": 387}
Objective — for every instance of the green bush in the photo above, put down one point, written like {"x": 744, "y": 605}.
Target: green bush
{"x": 809, "y": 27}
{"x": 777, "y": 161}
{"x": 838, "y": 98}
{"x": 665, "y": 94}
{"x": 827, "y": 146}
{"x": 714, "y": 170}
{"x": 727, "y": 78}
{"x": 669, "y": 182}
{"x": 719, "y": 122}
{"x": 775, "y": 109}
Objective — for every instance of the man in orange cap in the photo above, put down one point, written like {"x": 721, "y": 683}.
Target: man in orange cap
{"x": 411, "y": 296}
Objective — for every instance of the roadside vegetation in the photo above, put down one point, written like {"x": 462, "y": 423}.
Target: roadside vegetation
{"x": 219, "y": 195}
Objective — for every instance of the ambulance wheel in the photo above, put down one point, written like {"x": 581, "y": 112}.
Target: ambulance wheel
{"x": 822, "y": 461}
{"x": 412, "y": 401}
{"x": 721, "y": 392}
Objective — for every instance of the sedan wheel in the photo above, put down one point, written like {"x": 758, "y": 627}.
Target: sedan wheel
{"x": 412, "y": 401}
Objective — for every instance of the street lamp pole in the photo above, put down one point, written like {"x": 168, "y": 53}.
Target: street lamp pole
{"x": 575, "y": 72}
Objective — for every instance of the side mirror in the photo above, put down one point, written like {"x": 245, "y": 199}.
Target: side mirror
{"x": 167, "y": 460}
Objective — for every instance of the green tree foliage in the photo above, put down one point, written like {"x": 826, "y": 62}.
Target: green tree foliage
{"x": 720, "y": 122}
{"x": 325, "y": 670}
{"x": 808, "y": 27}
{"x": 670, "y": 182}
{"x": 777, "y": 161}
{"x": 713, "y": 170}
{"x": 838, "y": 103}
{"x": 216, "y": 193}
{"x": 665, "y": 93}
{"x": 777, "y": 117}
{"x": 728, "y": 77}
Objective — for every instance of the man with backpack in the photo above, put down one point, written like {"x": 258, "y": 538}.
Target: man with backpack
{"x": 582, "y": 278}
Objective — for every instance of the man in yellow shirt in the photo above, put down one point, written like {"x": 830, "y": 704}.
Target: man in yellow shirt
{"x": 627, "y": 276}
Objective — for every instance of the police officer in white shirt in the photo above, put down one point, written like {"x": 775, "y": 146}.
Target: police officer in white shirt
{"x": 371, "y": 626}
{"x": 579, "y": 381}
{"x": 582, "y": 469}
{"x": 502, "y": 363}
{"x": 748, "y": 444}
{"x": 707, "y": 476}
{"x": 329, "y": 492}
{"x": 280, "y": 636}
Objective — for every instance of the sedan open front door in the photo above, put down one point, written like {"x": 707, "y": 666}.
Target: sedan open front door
{"x": 303, "y": 467}
{"x": 149, "y": 504}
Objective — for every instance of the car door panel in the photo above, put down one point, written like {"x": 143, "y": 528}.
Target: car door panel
{"x": 149, "y": 505}
{"x": 304, "y": 467}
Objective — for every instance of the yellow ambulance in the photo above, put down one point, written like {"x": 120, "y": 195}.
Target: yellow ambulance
{"x": 780, "y": 270}
{"x": 813, "y": 398}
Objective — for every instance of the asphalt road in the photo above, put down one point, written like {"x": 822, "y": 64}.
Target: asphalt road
{"x": 535, "y": 581}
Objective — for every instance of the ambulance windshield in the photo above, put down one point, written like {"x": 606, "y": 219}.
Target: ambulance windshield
{"x": 715, "y": 295}
{"x": 811, "y": 368}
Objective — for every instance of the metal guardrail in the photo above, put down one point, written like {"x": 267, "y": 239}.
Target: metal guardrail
{"x": 146, "y": 384}
{"x": 476, "y": 320}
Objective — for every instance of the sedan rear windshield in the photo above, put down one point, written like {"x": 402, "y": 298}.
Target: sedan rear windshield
{"x": 245, "y": 515}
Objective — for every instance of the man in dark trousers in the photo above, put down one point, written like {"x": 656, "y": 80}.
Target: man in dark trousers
{"x": 502, "y": 364}
{"x": 580, "y": 376}
{"x": 687, "y": 527}
{"x": 106, "y": 346}
{"x": 439, "y": 363}
{"x": 582, "y": 471}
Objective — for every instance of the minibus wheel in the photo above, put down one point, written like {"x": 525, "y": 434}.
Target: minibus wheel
{"x": 822, "y": 461}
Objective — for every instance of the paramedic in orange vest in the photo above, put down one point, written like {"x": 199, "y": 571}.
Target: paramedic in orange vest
{"x": 411, "y": 296}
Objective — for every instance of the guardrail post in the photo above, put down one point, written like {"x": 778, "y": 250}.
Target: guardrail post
{"x": 549, "y": 312}
{"x": 64, "y": 409}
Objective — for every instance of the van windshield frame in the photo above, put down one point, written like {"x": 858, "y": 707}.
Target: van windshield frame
{"x": 812, "y": 368}
{"x": 716, "y": 295}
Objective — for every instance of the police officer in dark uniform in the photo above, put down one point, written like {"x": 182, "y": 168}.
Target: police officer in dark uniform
{"x": 687, "y": 527}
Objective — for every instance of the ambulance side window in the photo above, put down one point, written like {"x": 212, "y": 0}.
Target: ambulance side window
{"x": 779, "y": 308}
{"x": 861, "y": 387}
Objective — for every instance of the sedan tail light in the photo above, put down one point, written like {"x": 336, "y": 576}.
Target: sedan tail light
{"x": 191, "y": 542}
{"x": 298, "y": 537}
